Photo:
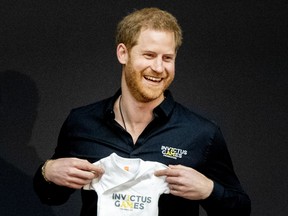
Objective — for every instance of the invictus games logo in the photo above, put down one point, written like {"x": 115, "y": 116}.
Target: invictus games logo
{"x": 130, "y": 202}
{"x": 173, "y": 152}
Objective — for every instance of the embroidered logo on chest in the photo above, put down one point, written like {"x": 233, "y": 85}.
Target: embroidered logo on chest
{"x": 172, "y": 152}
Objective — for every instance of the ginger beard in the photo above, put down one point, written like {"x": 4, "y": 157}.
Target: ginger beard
{"x": 146, "y": 85}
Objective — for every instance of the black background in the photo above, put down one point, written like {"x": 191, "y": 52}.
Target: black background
{"x": 232, "y": 68}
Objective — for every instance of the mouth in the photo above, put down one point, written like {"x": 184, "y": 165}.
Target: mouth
{"x": 153, "y": 79}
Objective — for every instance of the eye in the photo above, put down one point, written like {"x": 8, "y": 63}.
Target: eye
{"x": 168, "y": 58}
{"x": 149, "y": 55}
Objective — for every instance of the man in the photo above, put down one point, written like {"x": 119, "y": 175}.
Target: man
{"x": 142, "y": 120}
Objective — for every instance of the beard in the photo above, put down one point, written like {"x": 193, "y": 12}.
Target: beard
{"x": 143, "y": 92}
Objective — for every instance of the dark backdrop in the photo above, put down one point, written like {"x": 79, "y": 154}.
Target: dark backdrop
{"x": 232, "y": 68}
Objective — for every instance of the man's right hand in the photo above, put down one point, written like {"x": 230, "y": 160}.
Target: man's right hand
{"x": 71, "y": 172}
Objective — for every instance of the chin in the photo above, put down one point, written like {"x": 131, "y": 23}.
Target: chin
{"x": 150, "y": 96}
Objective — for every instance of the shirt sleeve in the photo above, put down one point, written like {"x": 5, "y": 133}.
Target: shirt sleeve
{"x": 228, "y": 196}
{"x": 50, "y": 193}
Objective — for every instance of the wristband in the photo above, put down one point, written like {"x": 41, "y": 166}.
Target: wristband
{"x": 43, "y": 171}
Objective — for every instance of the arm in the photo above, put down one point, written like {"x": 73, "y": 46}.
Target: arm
{"x": 215, "y": 184}
{"x": 58, "y": 179}
{"x": 48, "y": 192}
{"x": 228, "y": 196}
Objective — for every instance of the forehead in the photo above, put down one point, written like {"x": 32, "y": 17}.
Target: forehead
{"x": 150, "y": 39}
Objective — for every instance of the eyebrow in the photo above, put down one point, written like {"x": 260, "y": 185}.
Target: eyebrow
{"x": 166, "y": 54}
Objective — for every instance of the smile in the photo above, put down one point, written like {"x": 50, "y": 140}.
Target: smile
{"x": 153, "y": 79}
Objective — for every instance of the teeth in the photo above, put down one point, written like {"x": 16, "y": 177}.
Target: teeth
{"x": 154, "y": 79}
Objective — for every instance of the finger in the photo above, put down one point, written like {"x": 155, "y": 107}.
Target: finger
{"x": 96, "y": 169}
{"x": 75, "y": 185}
{"x": 172, "y": 180}
{"x": 87, "y": 166}
{"x": 179, "y": 167}
{"x": 169, "y": 173}
{"x": 161, "y": 172}
{"x": 173, "y": 188}
{"x": 73, "y": 182}
{"x": 79, "y": 181}
{"x": 84, "y": 174}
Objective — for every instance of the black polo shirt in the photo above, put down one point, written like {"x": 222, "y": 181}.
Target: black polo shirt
{"x": 175, "y": 136}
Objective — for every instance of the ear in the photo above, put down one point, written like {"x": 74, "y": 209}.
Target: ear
{"x": 122, "y": 53}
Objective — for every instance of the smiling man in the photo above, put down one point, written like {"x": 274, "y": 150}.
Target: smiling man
{"x": 149, "y": 67}
{"x": 148, "y": 70}
{"x": 142, "y": 121}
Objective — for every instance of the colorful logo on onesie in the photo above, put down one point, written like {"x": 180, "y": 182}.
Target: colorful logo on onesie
{"x": 130, "y": 202}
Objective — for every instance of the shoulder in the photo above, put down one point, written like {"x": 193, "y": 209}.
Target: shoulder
{"x": 89, "y": 114}
{"x": 96, "y": 108}
{"x": 189, "y": 116}
{"x": 92, "y": 107}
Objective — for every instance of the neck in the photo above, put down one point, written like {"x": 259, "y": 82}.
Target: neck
{"x": 121, "y": 113}
{"x": 132, "y": 115}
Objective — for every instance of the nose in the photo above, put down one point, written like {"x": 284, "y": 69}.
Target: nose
{"x": 157, "y": 65}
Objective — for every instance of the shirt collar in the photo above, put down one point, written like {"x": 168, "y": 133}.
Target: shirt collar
{"x": 163, "y": 110}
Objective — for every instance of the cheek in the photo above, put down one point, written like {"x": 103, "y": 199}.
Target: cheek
{"x": 170, "y": 68}
{"x": 141, "y": 65}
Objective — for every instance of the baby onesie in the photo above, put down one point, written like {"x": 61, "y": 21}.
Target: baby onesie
{"x": 128, "y": 187}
